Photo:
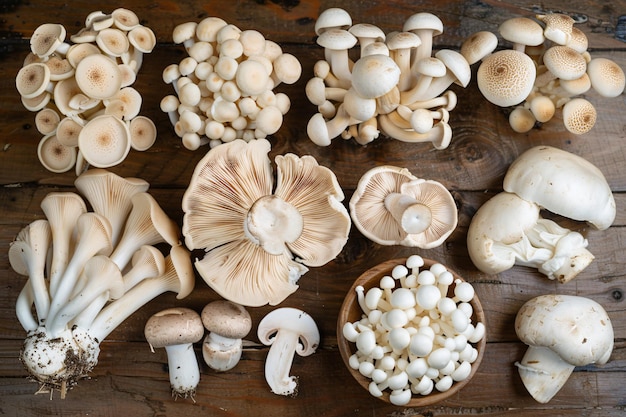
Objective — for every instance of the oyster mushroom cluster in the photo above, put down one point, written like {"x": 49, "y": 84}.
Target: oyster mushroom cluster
{"x": 224, "y": 88}
{"x": 81, "y": 88}
{"x": 546, "y": 70}
{"x": 90, "y": 270}
{"x": 395, "y": 86}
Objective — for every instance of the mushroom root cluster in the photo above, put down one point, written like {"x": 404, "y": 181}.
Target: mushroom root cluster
{"x": 90, "y": 270}
{"x": 546, "y": 68}
{"x": 415, "y": 334}
{"x": 224, "y": 88}
{"x": 509, "y": 230}
{"x": 82, "y": 90}
{"x": 391, "y": 206}
{"x": 260, "y": 237}
{"x": 396, "y": 85}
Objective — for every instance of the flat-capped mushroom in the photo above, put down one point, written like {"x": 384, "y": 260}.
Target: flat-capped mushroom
{"x": 508, "y": 230}
{"x": 104, "y": 141}
{"x": 227, "y": 323}
{"x": 563, "y": 183}
{"x": 98, "y": 76}
{"x": 562, "y": 332}
{"x": 32, "y": 80}
{"x": 47, "y": 120}
{"x": 288, "y": 331}
{"x": 47, "y": 38}
{"x": 55, "y": 156}
{"x": 506, "y": 77}
{"x": 253, "y": 257}
{"x": 177, "y": 329}
{"x": 393, "y": 207}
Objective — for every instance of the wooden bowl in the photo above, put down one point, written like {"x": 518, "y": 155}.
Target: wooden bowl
{"x": 351, "y": 312}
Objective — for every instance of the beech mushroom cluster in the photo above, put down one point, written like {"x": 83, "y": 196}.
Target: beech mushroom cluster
{"x": 81, "y": 88}
{"x": 546, "y": 69}
{"x": 224, "y": 88}
{"x": 509, "y": 230}
{"x": 261, "y": 236}
{"x": 90, "y": 270}
{"x": 416, "y": 331}
{"x": 395, "y": 86}
{"x": 391, "y": 206}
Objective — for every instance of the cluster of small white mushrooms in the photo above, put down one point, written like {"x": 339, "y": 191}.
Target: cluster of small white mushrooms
{"x": 546, "y": 69}
{"x": 87, "y": 108}
{"x": 416, "y": 331}
{"x": 395, "y": 86}
{"x": 509, "y": 230}
{"x": 89, "y": 270}
{"x": 225, "y": 86}
{"x": 261, "y": 235}
{"x": 177, "y": 329}
{"x": 391, "y": 206}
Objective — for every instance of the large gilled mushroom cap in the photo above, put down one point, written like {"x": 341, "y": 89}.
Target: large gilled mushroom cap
{"x": 258, "y": 240}
{"x": 506, "y": 77}
{"x": 393, "y": 207}
{"x": 563, "y": 183}
{"x": 562, "y": 331}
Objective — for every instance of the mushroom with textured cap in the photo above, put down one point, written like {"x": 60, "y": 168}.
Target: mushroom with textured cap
{"x": 478, "y": 46}
{"x": 98, "y": 76}
{"x": 607, "y": 78}
{"x": 177, "y": 329}
{"x": 227, "y": 323}
{"x": 561, "y": 62}
{"x": 579, "y": 116}
{"x": 507, "y": 230}
{"x": 249, "y": 259}
{"x": 563, "y": 183}
{"x": 288, "y": 331}
{"x": 104, "y": 141}
{"x": 337, "y": 42}
{"x": 506, "y": 77}
{"x": 558, "y": 27}
{"x": 393, "y": 207}
{"x": 562, "y": 332}
{"x": 522, "y": 32}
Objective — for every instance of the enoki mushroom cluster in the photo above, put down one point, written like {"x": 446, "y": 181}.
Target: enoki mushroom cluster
{"x": 546, "y": 70}
{"x": 415, "y": 336}
{"x": 82, "y": 91}
{"x": 225, "y": 86}
{"x": 395, "y": 86}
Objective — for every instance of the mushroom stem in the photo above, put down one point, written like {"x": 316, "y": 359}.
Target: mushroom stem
{"x": 183, "y": 378}
{"x": 543, "y": 372}
{"x": 278, "y": 363}
{"x": 413, "y": 216}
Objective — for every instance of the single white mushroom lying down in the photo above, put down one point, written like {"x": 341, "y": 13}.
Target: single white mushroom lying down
{"x": 414, "y": 337}
{"x": 89, "y": 270}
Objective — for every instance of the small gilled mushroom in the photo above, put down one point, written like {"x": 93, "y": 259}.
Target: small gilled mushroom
{"x": 393, "y": 207}
{"x": 176, "y": 330}
{"x": 227, "y": 323}
{"x": 288, "y": 331}
{"x": 562, "y": 332}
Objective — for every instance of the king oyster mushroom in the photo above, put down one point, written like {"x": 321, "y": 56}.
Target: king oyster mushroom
{"x": 260, "y": 236}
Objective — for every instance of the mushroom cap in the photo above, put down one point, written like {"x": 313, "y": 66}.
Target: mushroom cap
{"x": 506, "y": 77}
{"x": 478, "y": 46}
{"x": 563, "y": 183}
{"x": 376, "y": 222}
{"x": 558, "y": 27}
{"x": 564, "y": 62}
{"x": 336, "y": 39}
{"x": 104, "y": 141}
{"x": 332, "y": 17}
{"x": 142, "y": 38}
{"x": 228, "y": 319}
{"x": 32, "y": 79}
{"x": 112, "y": 41}
{"x": 46, "y": 38}
{"x": 522, "y": 30}
{"x": 456, "y": 64}
{"x": 143, "y": 133}
{"x": 576, "y": 328}
{"x": 423, "y": 20}
{"x": 174, "y": 326}
{"x": 367, "y": 31}
{"x": 504, "y": 218}
{"x": 579, "y": 116}
{"x": 98, "y": 76}
{"x": 55, "y": 156}
{"x": 294, "y": 321}
{"x": 402, "y": 40}
{"x": 374, "y": 75}
{"x": 606, "y": 77}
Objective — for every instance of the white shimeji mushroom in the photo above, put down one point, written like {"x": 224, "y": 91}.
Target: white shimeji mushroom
{"x": 272, "y": 232}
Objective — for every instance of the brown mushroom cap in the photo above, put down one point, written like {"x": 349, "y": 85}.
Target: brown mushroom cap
{"x": 607, "y": 78}
{"x": 46, "y": 38}
{"x": 32, "y": 79}
{"x": 228, "y": 319}
{"x": 174, "y": 326}
{"x": 564, "y": 62}
{"x": 506, "y": 77}
{"x": 579, "y": 116}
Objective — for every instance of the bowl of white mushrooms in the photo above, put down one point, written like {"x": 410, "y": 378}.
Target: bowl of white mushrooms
{"x": 411, "y": 331}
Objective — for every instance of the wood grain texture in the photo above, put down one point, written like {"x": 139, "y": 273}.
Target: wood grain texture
{"x": 130, "y": 380}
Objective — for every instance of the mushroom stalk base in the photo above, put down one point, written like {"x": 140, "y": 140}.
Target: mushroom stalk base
{"x": 183, "y": 369}
{"x": 543, "y": 372}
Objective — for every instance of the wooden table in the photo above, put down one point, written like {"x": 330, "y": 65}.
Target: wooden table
{"x": 130, "y": 380}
